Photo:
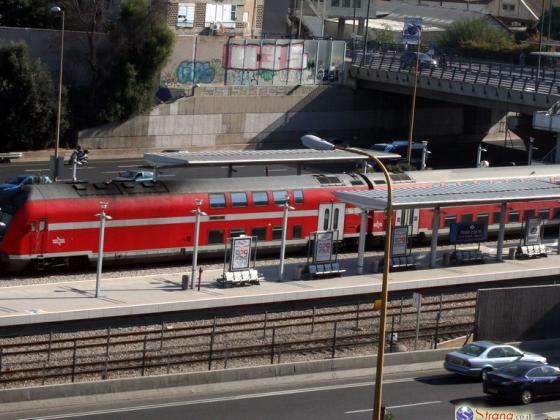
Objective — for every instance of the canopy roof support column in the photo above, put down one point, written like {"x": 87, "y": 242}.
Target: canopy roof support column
{"x": 362, "y": 241}
{"x": 435, "y": 227}
{"x": 230, "y": 171}
{"x": 501, "y": 232}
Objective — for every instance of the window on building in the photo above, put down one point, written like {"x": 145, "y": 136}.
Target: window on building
{"x": 335, "y": 3}
{"x": 239, "y": 199}
{"x": 217, "y": 201}
{"x": 466, "y": 218}
{"x": 276, "y": 233}
{"x": 236, "y": 232}
{"x": 513, "y": 217}
{"x": 215, "y": 236}
{"x": 298, "y": 196}
{"x": 279, "y": 196}
{"x": 358, "y": 4}
{"x": 346, "y": 3}
{"x": 259, "y": 232}
{"x": 221, "y": 15}
{"x": 449, "y": 220}
{"x": 185, "y": 15}
{"x": 296, "y": 232}
{"x": 544, "y": 214}
{"x": 260, "y": 198}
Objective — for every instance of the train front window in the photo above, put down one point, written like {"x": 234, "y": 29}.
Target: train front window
{"x": 5, "y": 219}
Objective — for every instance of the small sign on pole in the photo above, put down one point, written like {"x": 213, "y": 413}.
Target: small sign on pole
{"x": 412, "y": 30}
{"x": 240, "y": 253}
{"x": 323, "y": 246}
{"x": 417, "y": 300}
{"x": 532, "y": 231}
{"x": 460, "y": 233}
{"x": 400, "y": 240}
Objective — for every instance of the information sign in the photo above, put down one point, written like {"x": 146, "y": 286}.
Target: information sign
{"x": 532, "y": 231}
{"x": 323, "y": 246}
{"x": 400, "y": 240}
{"x": 460, "y": 233}
{"x": 412, "y": 30}
{"x": 417, "y": 300}
{"x": 240, "y": 253}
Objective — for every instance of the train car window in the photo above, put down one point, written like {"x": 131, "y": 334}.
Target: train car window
{"x": 496, "y": 217}
{"x": 217, "y": 201}
{"x": 335, "y": 218}
{"x": 513, "y": 217}
{"x": 298, "y": 196}
{"x": 32, "y": 227}
{"x": 556, "y": 213}
{"x": 259, "y": 232}
{"x": 239, "y": 199}
{"x": 482, "y": 217}
{"x": 528, "y": 214}
{"x": 326, "y": 219}
{"x": 449, "y": 220}
{"x": 544, "y": 214}
{"x": 215, "y": 236}
{"x": 235, "y": 233}
{"x": 296, "y": 232}
{"x": 276, "y": 233}
{"x": 466, "y": 218}
{"x": 260, "y": 198}
{"x": 42, "y": 225}
{"x": 279, "y": 196}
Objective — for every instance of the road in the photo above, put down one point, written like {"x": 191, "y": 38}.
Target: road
{"x": 102, "y": 170}
{"x": 419, "y": 395}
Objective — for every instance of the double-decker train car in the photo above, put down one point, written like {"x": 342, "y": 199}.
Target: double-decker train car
{"x": 58, "y": 223}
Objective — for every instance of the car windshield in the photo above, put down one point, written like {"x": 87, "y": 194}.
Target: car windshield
{"x": 128, "y": 174}
{"x": 16, "y": 180}
{"x": 472, "y": 350}
{"x": 425, "y": 56}
{"x": 513, "y": 370}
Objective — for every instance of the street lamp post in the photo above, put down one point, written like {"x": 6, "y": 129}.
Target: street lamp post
{"x": 286, "y": 206}
{"x": 102, "y": 217}
{"x": 479, "y": 155}
{"x": 197, "y": 213}
{"x": 57, "y": 9}
{"x": 314, "y": 142}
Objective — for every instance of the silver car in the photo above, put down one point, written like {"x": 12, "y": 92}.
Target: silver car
{"x": 480, "y": 357}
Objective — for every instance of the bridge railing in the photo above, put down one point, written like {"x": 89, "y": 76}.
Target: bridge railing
{"x": 502, "y": 75}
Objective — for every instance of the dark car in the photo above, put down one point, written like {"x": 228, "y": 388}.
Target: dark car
{"x": 523, "y": 381}
{"x": 425, "y": 61}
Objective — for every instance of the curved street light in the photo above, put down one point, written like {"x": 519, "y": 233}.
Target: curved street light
{"x": 57, "y": 9}
{"x": 314, "y": 142}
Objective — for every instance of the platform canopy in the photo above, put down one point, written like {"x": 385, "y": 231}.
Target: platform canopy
{"x": 453, "y": 194}
{"x": 258, "y": 157}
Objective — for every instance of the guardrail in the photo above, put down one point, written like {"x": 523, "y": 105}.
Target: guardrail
{"x": 508, "y": 76}
{"x": 7, "y": 157}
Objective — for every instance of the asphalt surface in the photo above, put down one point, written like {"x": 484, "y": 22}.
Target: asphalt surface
{"x": 432, "y": 395}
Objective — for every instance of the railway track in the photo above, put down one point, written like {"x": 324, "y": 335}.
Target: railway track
{"x": 316, "y": 333}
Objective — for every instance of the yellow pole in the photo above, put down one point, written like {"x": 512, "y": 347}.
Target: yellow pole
{"x": 378, "y": 393}
{"x": 412, "y": 112}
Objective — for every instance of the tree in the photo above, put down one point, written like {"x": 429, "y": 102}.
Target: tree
{"x": 141, "y": 42}
{"x": 27, "y": 13}
{"x": 554, "y": 24}
{"x": 28, "y": 101}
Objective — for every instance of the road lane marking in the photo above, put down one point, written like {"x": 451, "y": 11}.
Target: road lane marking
{"x": 217, "y": 399}
{"x": 394, "y": 406}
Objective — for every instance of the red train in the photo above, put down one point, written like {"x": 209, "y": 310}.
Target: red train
{"x": 57, "y": 223}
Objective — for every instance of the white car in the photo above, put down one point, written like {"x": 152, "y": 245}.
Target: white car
{"x": 135, "y": 176}
{"x": 480, "y": 357}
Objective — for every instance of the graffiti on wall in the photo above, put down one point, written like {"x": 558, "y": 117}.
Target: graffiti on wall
{"x": 190, "y": 72}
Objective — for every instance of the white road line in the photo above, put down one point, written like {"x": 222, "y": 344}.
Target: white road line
{"x": 393, "y": 407}
{"x": 214, "y": 400}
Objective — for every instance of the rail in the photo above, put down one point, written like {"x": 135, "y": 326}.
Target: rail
{"x": 508, "y": 76}
{"x": 269, "y": 338}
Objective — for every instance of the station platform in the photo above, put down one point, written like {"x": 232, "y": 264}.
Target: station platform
{"x": 163, "y": 293}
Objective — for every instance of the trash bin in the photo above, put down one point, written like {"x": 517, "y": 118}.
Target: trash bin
{"x": 446, "y": 259}
{"x": 298, "y": 269}
{"x": 186, "y": 279}
{"x": 375, "y": 263}
{"x": 512, "y": 252}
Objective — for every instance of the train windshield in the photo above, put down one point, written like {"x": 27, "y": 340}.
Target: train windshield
{"x": 6, "y": 215}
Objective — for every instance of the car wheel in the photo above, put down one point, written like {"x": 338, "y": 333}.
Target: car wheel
{"x": 527, "y": 396}
{"x": 484, "y": 373}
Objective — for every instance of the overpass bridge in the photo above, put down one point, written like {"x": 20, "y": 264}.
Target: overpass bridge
{"x": 500, "y": 86}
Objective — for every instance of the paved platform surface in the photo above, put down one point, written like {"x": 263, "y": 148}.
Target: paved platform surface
{"x": 151, "y": 294}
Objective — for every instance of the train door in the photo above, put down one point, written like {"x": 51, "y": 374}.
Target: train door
{"x": 38, "y": 230}
{"x": 408, "y": 217}
{"x": 331, "y": 217}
